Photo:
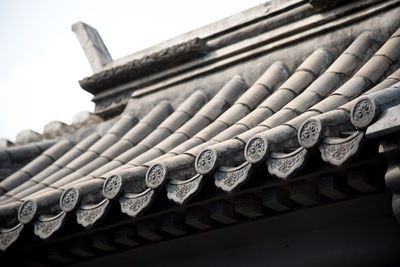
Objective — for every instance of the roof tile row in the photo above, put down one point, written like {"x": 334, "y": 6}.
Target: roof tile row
{"x": 279, "y": 120}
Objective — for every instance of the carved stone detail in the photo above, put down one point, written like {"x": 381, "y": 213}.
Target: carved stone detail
{"x": 155, "y": 176}
{"x": 112, "y": 187}
{"x": 310, "y": 133}
{"x": 228, "y": 178}
{"x": 87, "y": 215}
{"x": 180, "y": 191}
{"x": 69, "y": 199}
{"x": 27, "y": 211}
{"x": 338, "y": 150}
{"x": 9, "y": 236}
{"x": 133, "y": 204}
{"x": 256, "y": 149}
{"x": 45, "y": 226}
{"x": 363, "y": 113}
{"x": 283, "y": 165}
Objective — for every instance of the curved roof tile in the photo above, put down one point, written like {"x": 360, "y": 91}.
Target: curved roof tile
{"x": 278, "y": 121}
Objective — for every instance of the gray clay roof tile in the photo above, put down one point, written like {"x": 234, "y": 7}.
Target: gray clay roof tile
{"x": 279, "y": 116}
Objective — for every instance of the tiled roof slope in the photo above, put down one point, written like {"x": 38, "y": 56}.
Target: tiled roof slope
{"x": 29, "y": 144}
{"x": 326, "y": 103}
{"x": 13, "y": 158}
{"x": 297, "y": 133}
{"x": 270, "y": 28}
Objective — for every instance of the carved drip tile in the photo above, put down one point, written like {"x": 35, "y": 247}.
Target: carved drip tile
{"x": 87, "y": 215}
{"x": 9, "y": 236}
{"x": 229, "y": 178}
{"x": 181, "y": 191}
{"x": 336, "y": 151}
{"x": 46, "y": 225}
{"x": 283, "y": 165}
{"x": 133, "y": 204}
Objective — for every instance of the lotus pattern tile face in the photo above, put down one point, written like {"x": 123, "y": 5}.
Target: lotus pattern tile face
{"x": 69, "y": 199}
{"x": 112, "y": 186}
{"x": 363, "y": 113}
{"x": 155, "y": 177}
{"x": 256, "y": 149}
{"x": 206, "y": 161}
{"x": 27, "y": 211}
{"x": 310, "y": 133}
{"x": 45, "y": 229}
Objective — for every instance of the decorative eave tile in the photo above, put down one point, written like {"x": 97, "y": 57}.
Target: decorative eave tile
{"x": 229, "y": 178}
{"x": 9, "y": 235}
{"x": 133, "y": 204}
{"x": 47, "y": 225}
{"x": 181, "y": 191}
{"x": 87, "y": 215}
{"x": 337, "y": 151}
{"x": 283, "y": 165}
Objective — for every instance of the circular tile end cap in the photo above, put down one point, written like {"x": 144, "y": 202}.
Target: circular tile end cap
{"x": 363, "y": 113}
{"x": 206, "y": 161}
{"x": 69, "y": 199}
{"x": 156, "y": 175}
{"x": 27, "y": 211}
{"x": 310, "y": 133}
{"x": 112, "y": 187}
{"x": 256, "y": 149}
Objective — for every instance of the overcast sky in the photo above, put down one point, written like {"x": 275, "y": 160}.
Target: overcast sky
{"x": 41, "y": 60}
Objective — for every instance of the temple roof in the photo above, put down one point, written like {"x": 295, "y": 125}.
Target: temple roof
{"x": 292, "y": 137}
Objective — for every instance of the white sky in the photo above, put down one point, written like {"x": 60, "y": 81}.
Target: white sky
{"x": 41, "y": 60}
